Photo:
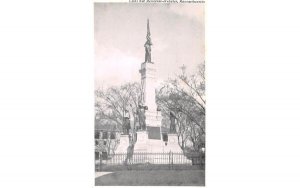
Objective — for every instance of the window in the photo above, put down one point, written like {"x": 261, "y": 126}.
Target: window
{"x": 104, "y": 143}
{"x": 96, "y": 142}
{"x": 165, "y": 137}
{"x": 97, "y": 135}
{"x": 97, "y": 155}
{"x": 104, "y": 155}
{"x": 104, "y": 136}
{"x": 112, "y": 135}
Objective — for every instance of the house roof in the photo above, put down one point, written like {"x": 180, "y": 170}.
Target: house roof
{"x": 100, "y": 148}
{"x": 106, "y": 126}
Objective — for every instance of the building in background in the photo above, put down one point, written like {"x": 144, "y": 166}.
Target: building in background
{"x": 107, "y": 137}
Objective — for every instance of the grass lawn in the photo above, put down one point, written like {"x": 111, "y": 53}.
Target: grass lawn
{"x": 153, "y": 177}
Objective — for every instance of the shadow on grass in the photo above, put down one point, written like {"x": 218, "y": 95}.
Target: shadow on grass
{"x": 159, "y": 177}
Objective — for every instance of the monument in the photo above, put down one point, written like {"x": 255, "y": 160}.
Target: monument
{"x": 150, "y": 139}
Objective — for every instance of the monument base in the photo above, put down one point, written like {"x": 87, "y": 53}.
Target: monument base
{"x": 144, "y": 144}
{"x": 155, "y": 147}
{"x": 172, "y": 144}
{"x": 141, "y": 142}
{"x": 123, "y": 145}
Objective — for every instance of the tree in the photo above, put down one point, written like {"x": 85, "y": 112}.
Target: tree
{"x": 114, "y": 104}
{"x": 111, "y": 144}
{"x": 184, "y": 96}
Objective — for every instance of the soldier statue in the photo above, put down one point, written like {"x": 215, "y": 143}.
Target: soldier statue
{"x": 148, "y": 45}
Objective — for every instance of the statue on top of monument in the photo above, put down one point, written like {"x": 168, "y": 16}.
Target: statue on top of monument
{"x": 148, "y": 45}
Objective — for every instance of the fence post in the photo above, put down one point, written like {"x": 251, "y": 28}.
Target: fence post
{"x": 100, "y": 161}
{"x": 170, "y": 160}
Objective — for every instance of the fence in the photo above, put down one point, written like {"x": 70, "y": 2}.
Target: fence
{"x": 150, "y": 161}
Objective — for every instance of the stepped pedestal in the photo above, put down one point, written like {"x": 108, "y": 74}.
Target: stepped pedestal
{"x": 152, "y": 146}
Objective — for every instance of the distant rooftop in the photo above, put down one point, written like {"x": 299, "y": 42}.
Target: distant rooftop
{"x": 105, "y": 126}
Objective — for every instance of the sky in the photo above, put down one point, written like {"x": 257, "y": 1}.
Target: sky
{"x": 177, "y": 34}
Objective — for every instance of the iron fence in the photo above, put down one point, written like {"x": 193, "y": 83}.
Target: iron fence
{"x": 150, "y": 161}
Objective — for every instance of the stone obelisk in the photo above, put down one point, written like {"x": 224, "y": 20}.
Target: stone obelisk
{"x": 148, "y": 76}
{"x": 151, "y": 137}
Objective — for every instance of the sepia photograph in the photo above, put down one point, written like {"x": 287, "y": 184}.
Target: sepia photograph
{"x": 149, "y": 94}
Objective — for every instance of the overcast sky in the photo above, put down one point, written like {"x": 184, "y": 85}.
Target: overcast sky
{"x": 177, "y": 33}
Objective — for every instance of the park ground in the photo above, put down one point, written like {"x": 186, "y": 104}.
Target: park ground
{"x": 152, "y": 177}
